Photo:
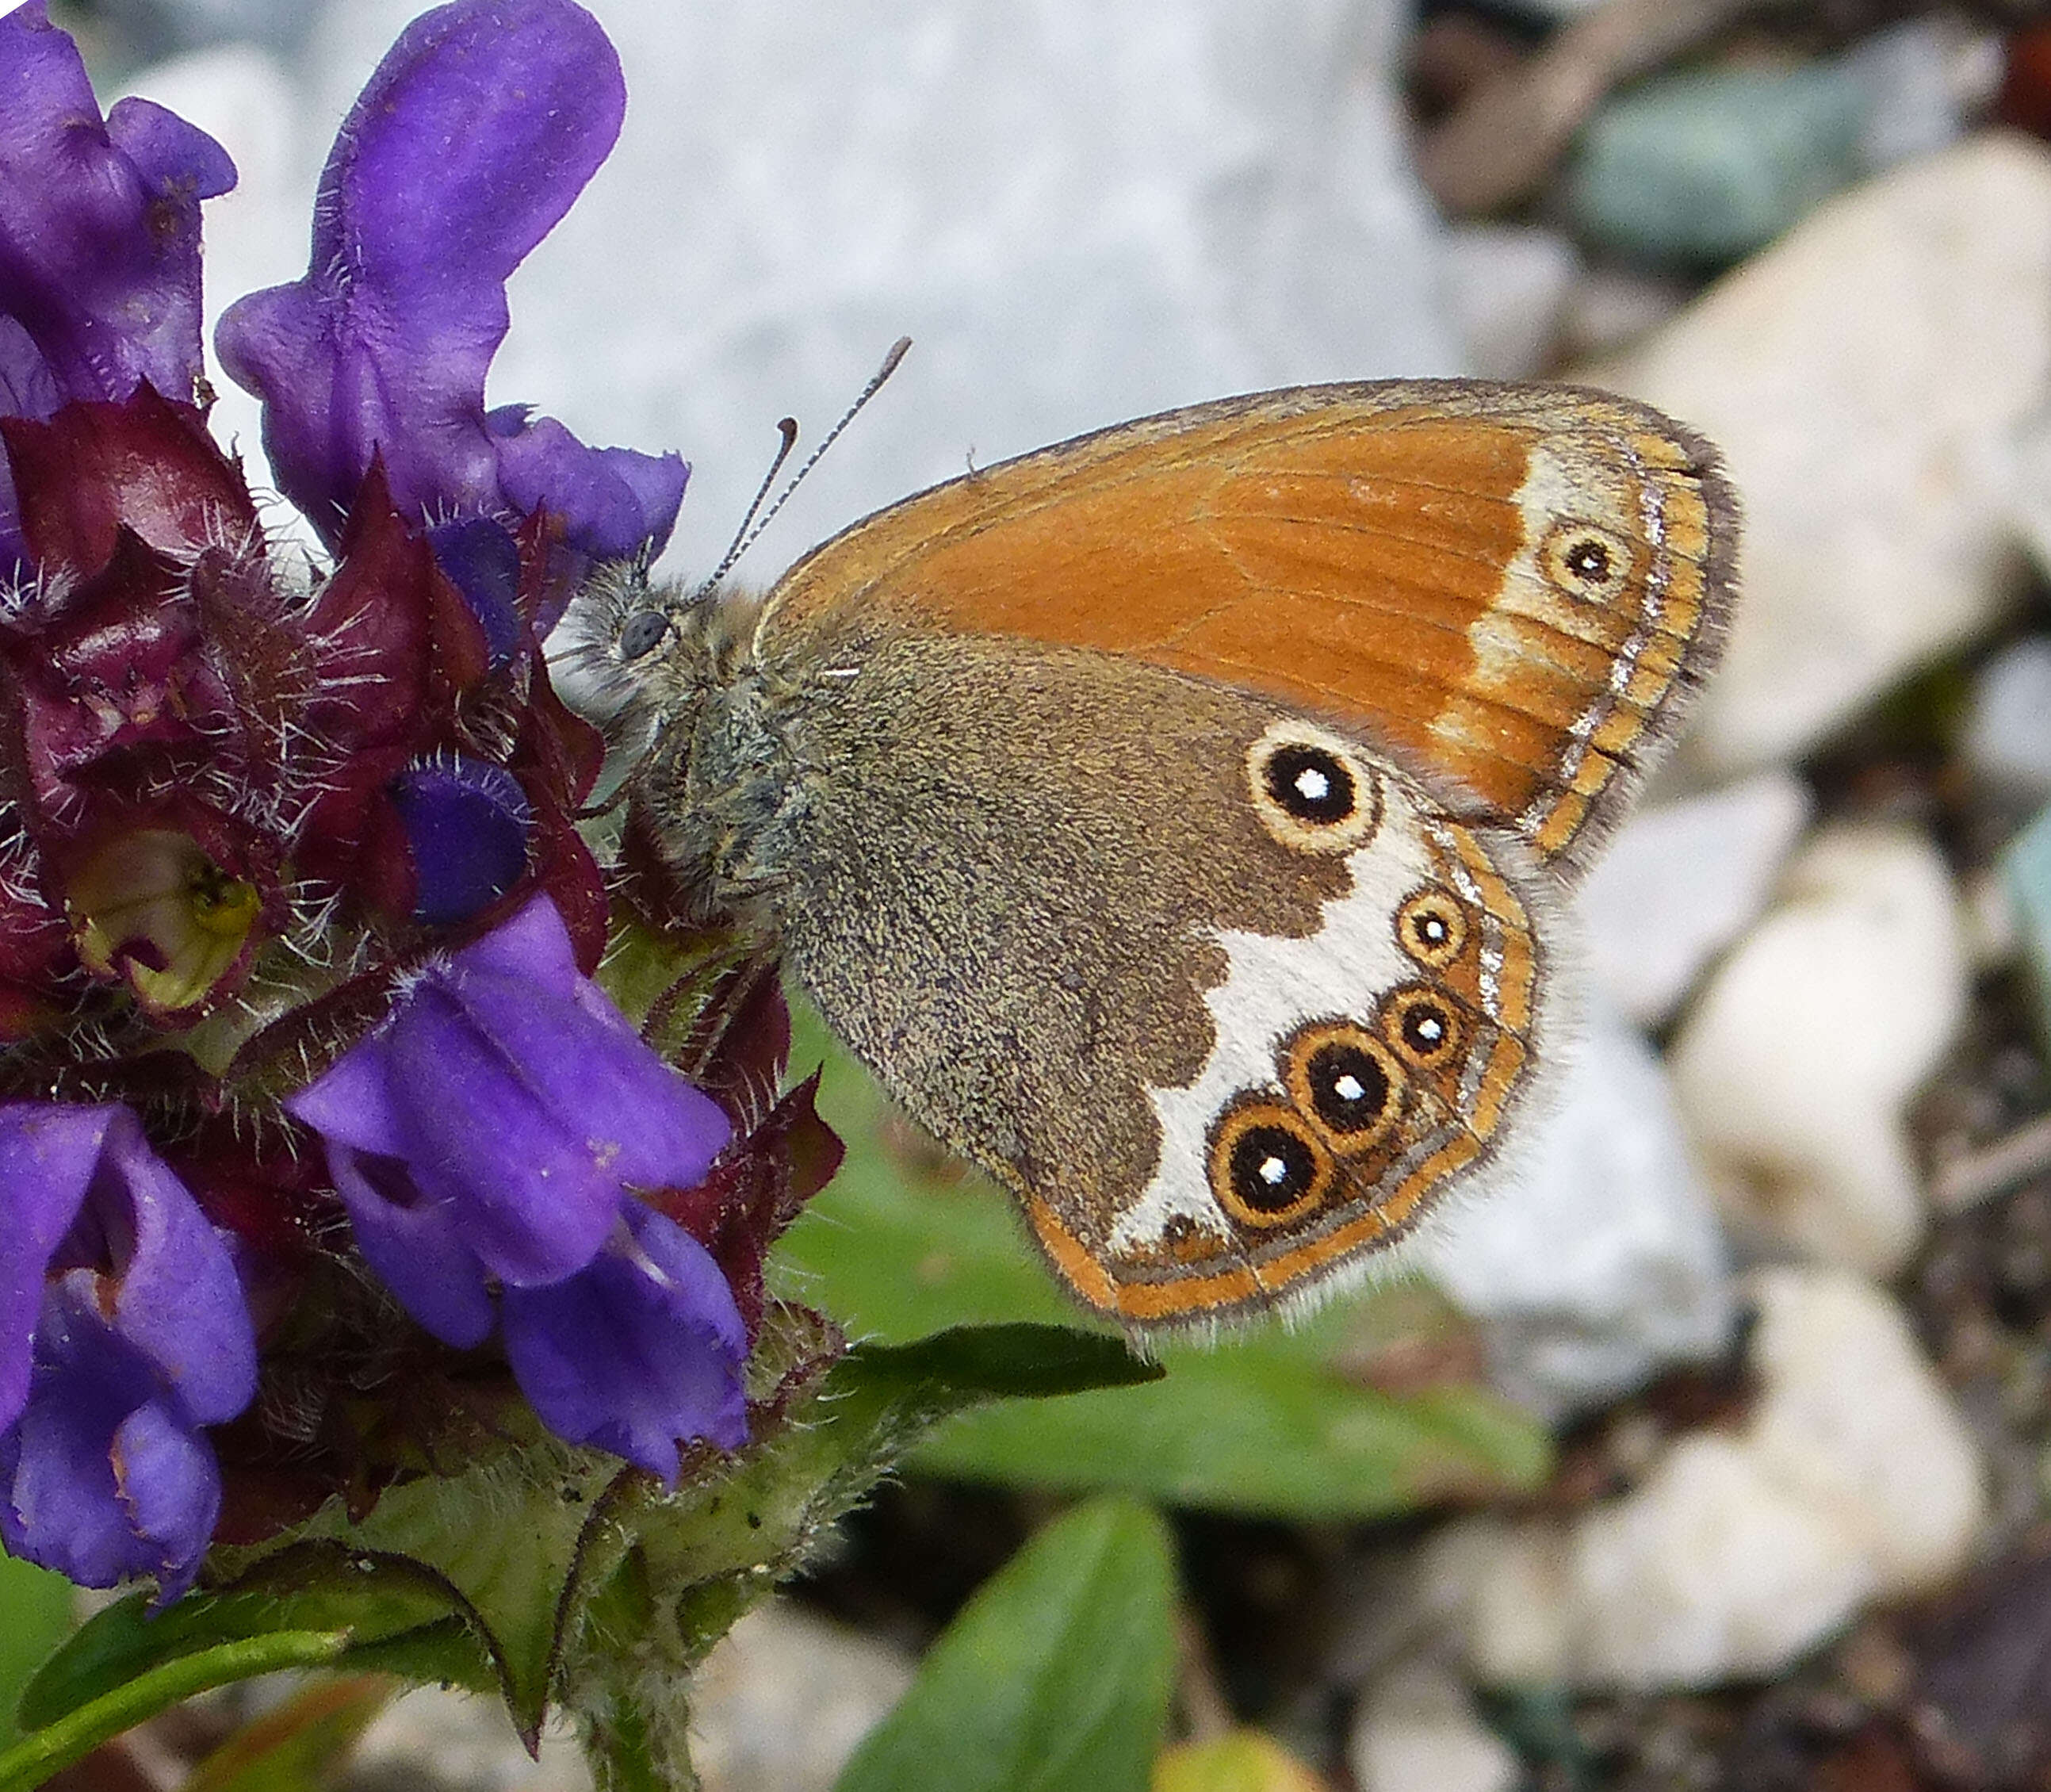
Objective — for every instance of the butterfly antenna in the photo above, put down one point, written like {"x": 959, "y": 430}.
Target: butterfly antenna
{"x": 787, "y": 428}
{"x": 897, "y": 351}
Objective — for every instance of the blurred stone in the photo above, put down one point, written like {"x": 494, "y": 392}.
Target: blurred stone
{"x": 1854, "y": 1478}
{"x": 1611, "y": 305}
{"x": 780, "y": 1703}
{"x": 1925, "y": 79}
{"x": 2007, "y": 735}
{"x": 1601, "y": 1261}
{"x": 1679, "y": 881}
{"x": 1852, "y": 1416}
{"x": 1080, "y": 212}
{"x": 1507, "y": 284}
{"x": 1701, "y": 168}
{"x": 1416, "y": 1730}
{"x": 1499, "y": 144}
{"x": 1863, "y": 376}
{"x": 433, "y": 1740}
{"x": 1795, "y": 1064}
{"x": 2026, "y": 872}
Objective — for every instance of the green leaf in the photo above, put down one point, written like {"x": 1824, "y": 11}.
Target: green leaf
{"x": 35, "y": 1616}
{"x": 313, "y": 1602}
{"x": 1055, "y": 1676}
{"x": 1273, "y": 1421}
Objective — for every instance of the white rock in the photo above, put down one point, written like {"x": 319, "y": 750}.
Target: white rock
{"x": 433, "y": 1740}
{"x": 1417, "y": 1731}
{"x": 1863, "y": 376}
{"x": 1599, "y": 1260}
{"x": 1080, "y": 210}
{"x": 780, "y": 1703}
{"x": 1852, "y": 1478}
{"x": 1852, "y": 1416}
{"x": 2007, "y": 735}
{"x": 1795, "y": 1066}
{"x": 1679, "y": 882}
{"x": 1507, "y": 285}
{"x": 1924, "y": 79}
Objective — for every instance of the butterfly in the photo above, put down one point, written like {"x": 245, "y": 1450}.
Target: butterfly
{"x": 1175, "y": 819}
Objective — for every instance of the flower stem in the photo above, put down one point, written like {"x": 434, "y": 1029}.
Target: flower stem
{"x": 625, "y": 1752}
{"x": 41, "y": 1753}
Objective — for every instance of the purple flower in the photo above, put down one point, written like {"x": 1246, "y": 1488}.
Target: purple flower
{"x": 491, "y": 1128}
{"x": 100, "y": 281}
{"x": 474, "y": 137}
{"x": 641, "y": 1347}
{"x": 122, "y": 1331}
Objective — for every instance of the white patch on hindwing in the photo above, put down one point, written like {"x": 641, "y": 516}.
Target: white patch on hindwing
{"x": 1271, "y": 987}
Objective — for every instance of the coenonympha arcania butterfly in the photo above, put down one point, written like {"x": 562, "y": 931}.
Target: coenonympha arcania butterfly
{"x": 1173, "y": 819}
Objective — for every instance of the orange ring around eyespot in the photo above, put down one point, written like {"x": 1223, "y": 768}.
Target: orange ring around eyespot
{"x": 1395, "y": 1014}
{"x": 1305, "y": 1045}
{"x": 1232, "y": 1129}
{"x": 1422, "y": 905}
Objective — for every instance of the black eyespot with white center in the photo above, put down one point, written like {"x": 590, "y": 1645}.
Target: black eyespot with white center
{"x": 1586, "y": 561}
{"x": 1432, "y": 927}
{"x": 1267, "y": 1163}
{"x": 1312, "y": 783}
{"x": 1344, "y": 1082}
{"x": 1315, "y": 792}
{"x": 1423, "y": 1027}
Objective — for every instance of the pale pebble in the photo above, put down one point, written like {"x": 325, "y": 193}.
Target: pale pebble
{"x": 783, "y": 1700}
{"x": 2007, "y": 736}
{"x": 1862, "y": 377}
{"x": 1678, "y": 882}
{"x": 1507, "y": 285}
{"x": 1852, "y": 1478}
{"x": 434, "y": 1739}
{"x": 1795, "y": 1064}
{"x": 1600, "y": 1260}
{"x": 1416, "y": 1730}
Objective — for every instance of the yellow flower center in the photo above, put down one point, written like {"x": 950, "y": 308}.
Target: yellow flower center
{"x": 153, "y": 908}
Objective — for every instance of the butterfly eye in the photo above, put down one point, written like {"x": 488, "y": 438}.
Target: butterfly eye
{"x": 1315, "y": 792}
{"x": 643, "y": 634}
{"x": 1346, "y": 1080}
{"x": 1586, "y": 562}
{"x": 1431, "y": 927}
{"x": 1422, "y": 1027}
{"x": 1267, "y": 1163}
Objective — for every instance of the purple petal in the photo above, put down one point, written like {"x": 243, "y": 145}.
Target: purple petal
{"x": 483, "y": 562}
{"x": 98, "y": 224}
{"x": 416, "y": 1247}
{"x": 640, "y": 1350}
{"x": 170, "y": 1486}
{"x": 616, "y": 500}
{"x": 103, "y": 1477}
{"x": 520, "y": 1106}
{"x": 48, "y": 1153}
{"x": 178, "y": 1298}
{"x": 532, "y": 946}
{"x": 474, "y": 137}
{"x": 466, "y": 824}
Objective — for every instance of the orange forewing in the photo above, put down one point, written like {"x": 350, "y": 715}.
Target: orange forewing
{"x": 1377, "y": 553}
